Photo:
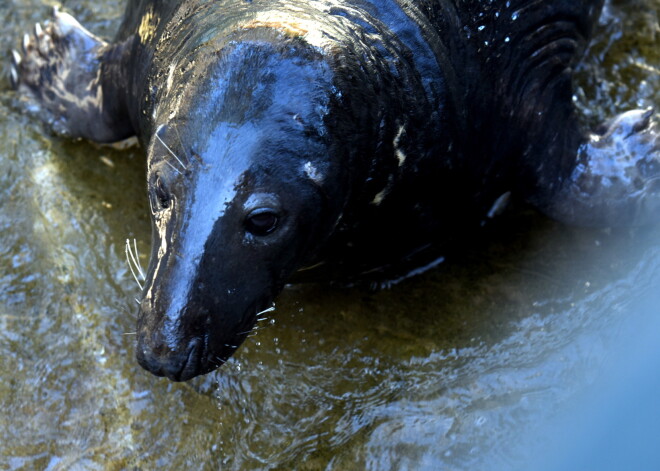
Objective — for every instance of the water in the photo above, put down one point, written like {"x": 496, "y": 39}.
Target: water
{"x": 459, "y": 369}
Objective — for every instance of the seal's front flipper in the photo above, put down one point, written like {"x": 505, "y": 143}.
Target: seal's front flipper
{"x": 616, "y": 180}
{"x": 70, "y": 77}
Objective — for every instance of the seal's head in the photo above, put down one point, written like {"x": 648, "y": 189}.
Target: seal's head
{"x": 243, "y": 191}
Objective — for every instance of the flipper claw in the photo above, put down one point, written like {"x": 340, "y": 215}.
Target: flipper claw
{"x": 15, "y": 58}
{"x": 13, "y": 77}
{"x": 25, "y": 44}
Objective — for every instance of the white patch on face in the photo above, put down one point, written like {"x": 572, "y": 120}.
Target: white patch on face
{"x": 173, "y": 96}
{"x": 161, "y": 229}
{"x": 282, "y": 21}
{"x": 175, "y": 107}
{"x": 313, "y": 173}
{"x": 148, "y": 25}
{"x": 499, "y": 205}
{"x": 401, "y": 157}
{"x": 170, "y": 77}
{"x": 380, "y": 196}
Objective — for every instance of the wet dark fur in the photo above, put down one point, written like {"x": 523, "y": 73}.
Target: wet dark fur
{"x": 371, "y": 132}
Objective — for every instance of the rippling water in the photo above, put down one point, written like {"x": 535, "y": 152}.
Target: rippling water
{"x": 458, "y": 369}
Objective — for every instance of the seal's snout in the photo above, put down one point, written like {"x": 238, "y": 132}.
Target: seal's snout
{"x": 180, "y": 364}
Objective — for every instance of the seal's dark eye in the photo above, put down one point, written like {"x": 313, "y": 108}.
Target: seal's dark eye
{"x": 161, "y": 197}
{"x": 262, "y": 221}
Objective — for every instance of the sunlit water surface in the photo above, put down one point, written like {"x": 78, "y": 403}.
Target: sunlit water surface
{"x": 458, "y": 369}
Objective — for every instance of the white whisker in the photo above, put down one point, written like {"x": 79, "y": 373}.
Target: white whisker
{"x": 174, "y": 168}
{"x": 130, "y": 265}
{"x": 170, "y": 150}
{"x": 270, "y": 309}
{"x": 135, "y": 257}
{"x": 137, "y": 260}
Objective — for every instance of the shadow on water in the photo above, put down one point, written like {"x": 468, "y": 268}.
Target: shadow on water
{"x": 458, "y": 369}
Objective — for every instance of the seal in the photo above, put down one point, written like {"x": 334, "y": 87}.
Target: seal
{"x": 290, "y": 140}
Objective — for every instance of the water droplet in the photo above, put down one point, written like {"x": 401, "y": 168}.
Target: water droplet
{"x": 514, "y": 17}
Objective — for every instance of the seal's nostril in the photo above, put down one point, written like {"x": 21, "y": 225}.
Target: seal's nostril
{"x": 148, "y": 360}
{"x": 178, "y": 365}
{"x": 151, "y": 353}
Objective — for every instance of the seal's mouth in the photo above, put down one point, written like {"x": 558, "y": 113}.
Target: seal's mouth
{"x": 192, "y": 365}
{"x": 200, "y": 355}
